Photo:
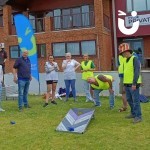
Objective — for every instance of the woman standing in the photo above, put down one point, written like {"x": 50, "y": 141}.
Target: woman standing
{"x": 51, "y": 69}
{"x": 70, "y": 66}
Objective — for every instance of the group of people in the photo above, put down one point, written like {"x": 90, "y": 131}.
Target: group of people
{"x": 129, "y": 73}
{"x": 92, "y": 85}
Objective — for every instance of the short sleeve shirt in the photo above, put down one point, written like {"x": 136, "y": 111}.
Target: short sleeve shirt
{"x": 69, "y": 71}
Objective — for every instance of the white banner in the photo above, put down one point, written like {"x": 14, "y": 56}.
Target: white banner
{"x": 144, "y": 20}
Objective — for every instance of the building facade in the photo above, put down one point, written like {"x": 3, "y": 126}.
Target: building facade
{"x": 61, "y": 26}
{"x": 140, "y": 40}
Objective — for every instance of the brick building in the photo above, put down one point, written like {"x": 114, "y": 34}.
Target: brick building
{"x": 60, "y": 26}
{"x": 139, "y": 41}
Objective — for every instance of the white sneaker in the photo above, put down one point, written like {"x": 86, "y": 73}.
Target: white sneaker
{"x": 2, "y": 109}
{"x": 87, "y": 100}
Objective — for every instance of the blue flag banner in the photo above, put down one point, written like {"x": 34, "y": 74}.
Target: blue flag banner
{"x": 26, "y": 40}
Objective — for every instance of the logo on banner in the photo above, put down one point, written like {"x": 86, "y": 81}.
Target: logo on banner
{"x": 121, "y": 23}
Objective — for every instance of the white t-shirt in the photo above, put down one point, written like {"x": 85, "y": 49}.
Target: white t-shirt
{"x": 50, "y": 69}
{"x": 69, "y": 71}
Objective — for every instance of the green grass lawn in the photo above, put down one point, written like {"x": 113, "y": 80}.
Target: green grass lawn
{"x": 35, "y": 127}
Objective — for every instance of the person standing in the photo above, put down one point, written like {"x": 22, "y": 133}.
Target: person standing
{"x": 121, "y": 86}
{"x": 3, "y": 58}
{"x": 87, "y": 68}
{"x": 70, "y": 66}
{"x": 1, "y": 82}
{"x": 51, "y": 69}
{"x": 132, "y": 81}
{"x": 22, "y": 76}
{"x": 100, "y": 83}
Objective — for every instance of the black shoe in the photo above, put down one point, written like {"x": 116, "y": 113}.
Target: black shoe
{"x": 46, "y": 104}
{"x": 27, "y": 106}
{"x": 65, "y": 100}
{"x": 130, "y": 116}
{"x": 53, "y": 102}
{"x": 137, "y": 120}
{"x": 20, "y": 109}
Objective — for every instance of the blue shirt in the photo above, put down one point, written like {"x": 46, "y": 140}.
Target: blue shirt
{"x": 23, "y": 67}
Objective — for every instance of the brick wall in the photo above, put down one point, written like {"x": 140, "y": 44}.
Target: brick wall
{"x": 98, "y": 33}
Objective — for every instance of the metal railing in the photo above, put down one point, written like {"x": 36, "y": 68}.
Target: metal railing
{"x": 80, "y": 20}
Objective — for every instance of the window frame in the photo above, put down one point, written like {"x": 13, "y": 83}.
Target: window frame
{"x": 19, "y": 51}
{"x": 39, "y": 50}
{"x": 132, "y": 2}
{"x": 80, "y": 48}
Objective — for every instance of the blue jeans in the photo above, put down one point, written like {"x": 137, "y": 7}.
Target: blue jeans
{"x": 23, "y": 88}
{"x": 71, "y": 83}
{"x": 133, "y": 101}
{"x": 86, "y": 87}
{"x": 97, "y": 98}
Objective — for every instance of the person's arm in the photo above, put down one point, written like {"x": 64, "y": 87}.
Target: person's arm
{"x": 15, "y": 70}
{"x": 1, "y": 75}
{"x": 5, "y": 56}
{"x": 15, "y": 75}
{"x": 105, "y": 79}
{"x": 64, "y": 64}
{"x": 77, "y": 65}
{"x": 136, "y": 66}
{"x": 57, "y": 67}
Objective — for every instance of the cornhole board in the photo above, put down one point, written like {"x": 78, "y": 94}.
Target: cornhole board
{"x": 76, "y": 120}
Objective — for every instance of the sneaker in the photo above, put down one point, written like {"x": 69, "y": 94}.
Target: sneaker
{"x": 111, "y": 107}
{"x": 89, "y": 100}
{"x": 66, "y": 100}
{"x": 53, "y": 102}
{"x": 27, "y": 106}
{"x": 97, "y": 105}
{"x": 75, "y": 100}
{"x": 130, "y": 116}
{"x": 20, "y": 109}
{"x": 46, "y": 104}
{"x": 136, "y": 120}
{"x": 2, "y": 109}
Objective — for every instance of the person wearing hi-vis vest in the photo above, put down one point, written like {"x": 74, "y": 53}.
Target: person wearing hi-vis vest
{"x": 132, "y": 81}
{"x": 121, "y": 61}
{"x": 87, "y": 68}
{"x": 100, "y": 83}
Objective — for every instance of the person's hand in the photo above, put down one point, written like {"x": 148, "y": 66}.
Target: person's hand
{"x": 30, "y": 78}
{"x": 15, "y": 80}
{"x": 111, "y": 91}
{"x": 133, "y": 87}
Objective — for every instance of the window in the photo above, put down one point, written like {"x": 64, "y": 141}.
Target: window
{"x": 57, "y": 19}
{"x": 15, "y": 51}
{"x": 74, "y": 17}
{"x": 41, "y": 50}
{"x": 12, "y": 16}
{"x": 106, "y": 21}
{"x": 75, "y": 48}
{"x": 37, "y": 21}
{"x": 88, "y": 47}
{"x": 59, "y": 49}
{"x": 138, "y": 5}
{"x": 137, "y": 46}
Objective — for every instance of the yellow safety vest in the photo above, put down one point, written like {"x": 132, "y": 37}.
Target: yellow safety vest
{"x": 121, "y": 62}
{"x": 129, "y": 72}
{"x": 87, "y": 74}
{"x": 102, "y": 85}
